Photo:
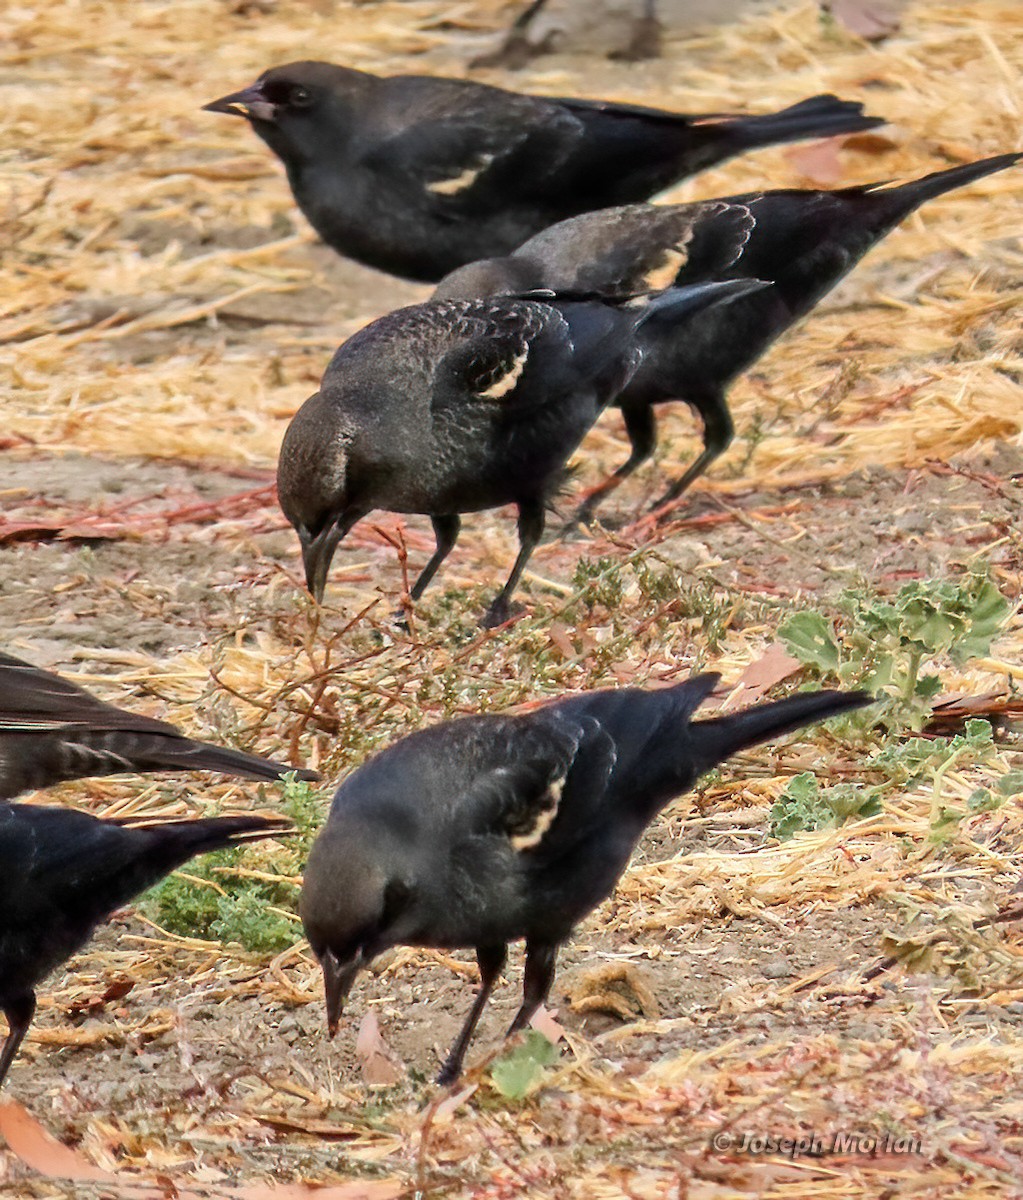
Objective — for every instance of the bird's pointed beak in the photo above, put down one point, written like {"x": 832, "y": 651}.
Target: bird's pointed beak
{"x": 338, "y": 978}
{"x": 317, "y": 555}
{"x": 249, "y": 103}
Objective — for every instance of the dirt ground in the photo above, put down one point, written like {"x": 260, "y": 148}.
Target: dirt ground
{"x": 141, "y": 547}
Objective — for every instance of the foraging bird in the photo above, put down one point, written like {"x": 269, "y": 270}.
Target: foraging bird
{"x": 805, "y": 241}
{"x": 52, "y": 730}
{"x": 63, "y": 872}
{"x": 417, "y": 175}
{"x": 485, "y": 830}
{"x": 452, "y": 407}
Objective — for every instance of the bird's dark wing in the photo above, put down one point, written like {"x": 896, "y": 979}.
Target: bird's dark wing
{"x": 458, "y": 140}
{"x": 541, "y": 761}
{"x": 496, "y": 345}
{"x": 638, "y": 248}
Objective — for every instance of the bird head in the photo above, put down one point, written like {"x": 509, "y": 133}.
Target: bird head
{"x": 509, "y": 276}
{"x": 312, "y": 479}
{"x": 351, "y": 908}
{"x": 293, "y": 107}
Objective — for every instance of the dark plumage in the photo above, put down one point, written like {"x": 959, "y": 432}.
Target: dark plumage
{"x": 482, "y": 831}
{"x": 805, "y": 241}
{"x": 417, "y": 175}
{"x": 63, "y": 872}
{"x": 52, "y": 730}
{"x": 453, "y": 407}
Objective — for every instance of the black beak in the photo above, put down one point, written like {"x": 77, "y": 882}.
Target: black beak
{"x": 338, "y": 978}
{"x": 249, "y": 103}
{"x": 317, "y": 554}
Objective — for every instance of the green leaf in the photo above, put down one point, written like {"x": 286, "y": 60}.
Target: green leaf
{"x": 1010, "y": 784}
{"x": 809, "y": 637}
{"x": 516, "y": 1073}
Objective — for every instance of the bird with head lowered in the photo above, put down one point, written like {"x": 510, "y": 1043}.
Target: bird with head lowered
{"x": 492, "y": 829}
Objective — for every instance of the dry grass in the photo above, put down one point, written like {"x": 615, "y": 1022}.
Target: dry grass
{"x": 167, "y": 301}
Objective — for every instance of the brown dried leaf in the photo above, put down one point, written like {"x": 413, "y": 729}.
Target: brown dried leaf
{"x": 41, "y": 1151}
{"x": 380, "y": 1066}
{"x": 774, "y": 665}
{"x": 543, "y": 1022}
{"x": 872, "y": 20}
{"x": 818, "y": 161}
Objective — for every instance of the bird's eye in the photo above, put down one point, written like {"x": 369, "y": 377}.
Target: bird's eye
{"x": 299, "y": 98}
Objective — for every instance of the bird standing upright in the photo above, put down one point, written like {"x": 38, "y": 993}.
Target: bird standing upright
{"x": 417, "y": 175}
{"x": 52, "y": 730}
{"x": 486, "y": 830}
{"x": 453, "y": 407}
{"x": 805, "y": 241}
{"x": 62, "y": 872}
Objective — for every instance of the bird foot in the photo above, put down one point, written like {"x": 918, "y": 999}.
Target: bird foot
{"x": 449, "y": 1073}
{"x": 516, "y": 52}
{"x": 647, "y": 41}
{"x": 500, "y": 613}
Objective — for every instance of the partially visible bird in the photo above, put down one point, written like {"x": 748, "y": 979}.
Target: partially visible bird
{"x": 452, "y": 407}
{"x": 482, "y": 831}
{"x": 417, "y": 175}
{"x": 63, "y": 872}
{"x": 52, "y": 730}
{"x": 805, "y": 241}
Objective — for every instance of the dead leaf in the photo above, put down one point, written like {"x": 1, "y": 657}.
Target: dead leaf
{"x": 774, "y": 665}
{"x": 377, "y": 1189}
{"x": 818, "y": 161}
{"x": 872, "y": 20}
{"x": 543, "y": 1022}
{"x": 41, "y": 1151}
{"x": 447, "y": 1107}
{"x": 380, "y": 1067}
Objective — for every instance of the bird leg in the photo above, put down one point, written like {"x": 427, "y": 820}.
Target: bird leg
{"x": 491, "y": 961}
{"x": 647, "y": 36}
{"x": 541, "y": 960}
{"x": 445, "y": 529}
{"x": 19, "y": 1013}
{"x": 718, "y": 432}
{"x": 517, "y": 50}
{"x": 531, "y": 523}
{"x": 641, "y": 427}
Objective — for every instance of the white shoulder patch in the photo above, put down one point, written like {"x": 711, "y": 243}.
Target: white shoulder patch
{"x": 544, "y": 819}
{"x": 463, "y": 181}
{"x": 507, "y": 382}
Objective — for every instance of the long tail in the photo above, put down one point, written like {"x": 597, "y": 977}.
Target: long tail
{"x": 819, "y": 116}
{"x": 175, "y": 842}
{"x": 909, "y": 196}
{"x": 718, "y": 738}
{"x": 203, "y": 756}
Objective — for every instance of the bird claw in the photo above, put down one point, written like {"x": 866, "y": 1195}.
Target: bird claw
{"x": 500, "y": 613}
{"x": 448, "y": 1074}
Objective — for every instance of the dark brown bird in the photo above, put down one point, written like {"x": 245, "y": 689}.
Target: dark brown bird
{"x": 52, "y": 730}
{"x": 417, "y": 175}
{"x": 63, "y": 872}
{"x": 805, "y": 241}
{"x": 453, "y": 407}
{"x": 491, "y": 829}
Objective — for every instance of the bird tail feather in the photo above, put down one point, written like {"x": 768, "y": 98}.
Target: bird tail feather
{"x": 206, "y": 757}
{"x": 720, "y": 737}
{"x": 819, "y": 116}
{"x": 919, "y": 191}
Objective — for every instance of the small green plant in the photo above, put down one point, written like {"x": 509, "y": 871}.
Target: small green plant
{"x": 255, "y": 906}
{"x": 805, "y": 805}
{"x": 516, "y": 1073}
{"x": 881, "y": 643}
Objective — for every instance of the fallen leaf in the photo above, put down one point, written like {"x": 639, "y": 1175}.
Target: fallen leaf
{"x": 543, "y": 1022}
{"x": 379, "y": 1064}
{"x": 872, "y": 20}
{"x": 774, "y": 665}
{"x": 818, "y": 161}
{"x": 41, "y": 1151}
{"x": 447, "y": 1107}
